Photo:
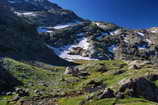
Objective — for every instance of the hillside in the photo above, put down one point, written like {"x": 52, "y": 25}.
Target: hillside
{"x": 51, "y": 56}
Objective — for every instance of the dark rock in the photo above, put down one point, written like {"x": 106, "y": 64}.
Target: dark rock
{"x": 118, "y": 72}
{"x": 93, "y": 86}
{"x": 134, "y": 67}
{"x": 140, "y": 87}
{"x": 22, "y": 92}
{"x": 71, "y": 70}
{"x": 38, "y": 92}
{"x": 7, "y": 81}
{"x": 107, "y": 93}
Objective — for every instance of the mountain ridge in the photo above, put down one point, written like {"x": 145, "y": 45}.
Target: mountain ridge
{"x": 50, "y": 56}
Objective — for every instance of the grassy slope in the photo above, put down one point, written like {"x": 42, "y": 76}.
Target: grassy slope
{"x": 67, "y": 84}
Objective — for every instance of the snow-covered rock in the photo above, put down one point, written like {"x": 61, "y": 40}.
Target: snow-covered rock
{"x": 63, "y": 51}
{"x": 116, "y": 32}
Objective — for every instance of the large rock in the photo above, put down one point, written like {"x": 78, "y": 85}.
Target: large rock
{"x": 139, "y": 87}
{"x": 107, "y": 93}
{"x": 71, "y": 70}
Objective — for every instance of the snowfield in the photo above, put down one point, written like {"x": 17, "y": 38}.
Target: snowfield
{"x": 62, "y": 26}
{"x": 141, "y": 34}
{"x": 25, "y": 13}
{"x": 63, "y": 51}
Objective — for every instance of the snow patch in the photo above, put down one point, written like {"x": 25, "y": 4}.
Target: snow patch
{"x": 66, "y": 25}
{"x": 63, "y": 51}
{"x": 62, "y": 26}
{"x": 149, "y": 41}
{"x": 25, "y": 13}
{"x": 116, "y": 32}
{"x": 43, "y": 29}
{"x": 141, "y": 34}
{"x": 154, "y": 31}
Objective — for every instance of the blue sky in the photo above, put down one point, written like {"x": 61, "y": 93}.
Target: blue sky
{"x": 126, "y": 13}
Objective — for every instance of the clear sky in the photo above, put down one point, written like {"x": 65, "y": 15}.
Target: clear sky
{"x": 126, "y": 13}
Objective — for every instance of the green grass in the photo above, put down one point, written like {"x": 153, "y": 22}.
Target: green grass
{"x": 58, "y": 83}
{"x": 126, "y": 101}
{"x": 70, "y": 101}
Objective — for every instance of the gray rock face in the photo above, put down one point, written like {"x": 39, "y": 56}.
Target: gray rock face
{"x": 42, "y": 12}
{"x": 107, "y": 93}
{"x": 140, "y": 87}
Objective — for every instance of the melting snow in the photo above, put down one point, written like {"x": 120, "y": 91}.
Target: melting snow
{"x": 116, "y": 32}
{"x": 63, "y": 51}
{"x": 66, "y": 25}
{"x": 43, "y": 29}
{"x": 149, "y": 41}
{"x": 154, "y": 31}
{"x": 25, "y": 13}
{"x": 61, "y": 26}
{"x": 141, "y": 34}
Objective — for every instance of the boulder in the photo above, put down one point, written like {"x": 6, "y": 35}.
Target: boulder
{"x": 93, "y": 86}
{"x": 22, "y": 92}
{"x": 139, "y": 87}
{"x": 71, "y": 70}
{"x": 107, "y": 93}
{"x": 134, "y": 67}
{"x": 137, "y": 64}
{"x": 118, "y": 72}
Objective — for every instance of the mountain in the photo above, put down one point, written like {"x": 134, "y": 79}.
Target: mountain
{"x": 100, "y": 40}
{"x": 42, "y": 12}
{"x": 85, "y": 39}
{"x": 20, "y": 40}
{"x": 51, "y": 56}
